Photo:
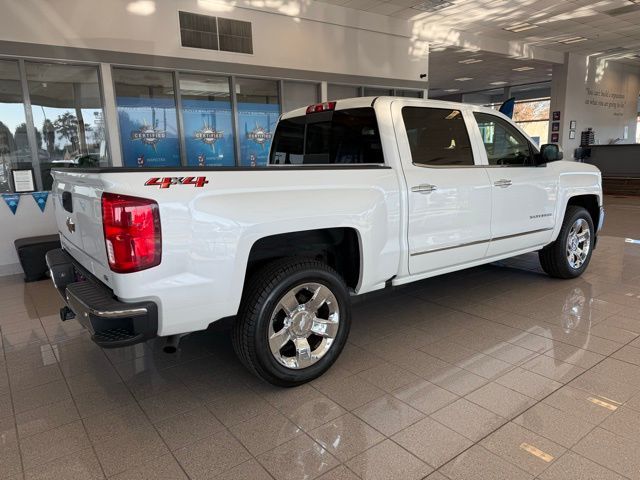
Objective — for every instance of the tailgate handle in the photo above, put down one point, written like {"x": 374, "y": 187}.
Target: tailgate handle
{"x": 67, "y": 204}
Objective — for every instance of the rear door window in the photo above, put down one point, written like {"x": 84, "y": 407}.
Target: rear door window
{"x": 438, "y": 137}
{"x": 349, "y": 136}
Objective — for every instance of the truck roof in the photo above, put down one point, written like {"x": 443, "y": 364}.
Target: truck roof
{"x": 359, "y": 102}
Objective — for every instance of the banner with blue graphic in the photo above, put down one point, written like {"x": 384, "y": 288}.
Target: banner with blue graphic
{"x": 12, "y": 200}
{"x": 148, "y": 132}
{"x": 257, "y": 123}
{"x": 208, "y": 130}
{"x": 41, "y": 199}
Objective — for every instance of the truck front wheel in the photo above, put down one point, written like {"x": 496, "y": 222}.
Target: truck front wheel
{"x": 570, "y": 254}
{"x": 293, "y": 321}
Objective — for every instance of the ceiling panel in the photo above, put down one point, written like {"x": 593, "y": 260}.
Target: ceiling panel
{"x": 445, "y": 68}
{"x": 555, "y": 20}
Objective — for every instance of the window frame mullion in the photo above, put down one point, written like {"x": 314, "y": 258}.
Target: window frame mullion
{"x": 28, "y": 118}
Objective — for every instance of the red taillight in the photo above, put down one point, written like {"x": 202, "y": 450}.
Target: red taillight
{"x": 131, "y": 232}
{"x": 321, "y": 107}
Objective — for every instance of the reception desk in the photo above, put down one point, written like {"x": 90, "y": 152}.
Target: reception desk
{"x": 616, "y": 161}
{"x": 620, "y": 167}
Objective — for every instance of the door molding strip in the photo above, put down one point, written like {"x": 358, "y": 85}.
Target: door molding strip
{"x": 478, "y": 242}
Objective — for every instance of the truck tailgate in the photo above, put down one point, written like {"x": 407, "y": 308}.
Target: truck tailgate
{"x": 78, "y": 214}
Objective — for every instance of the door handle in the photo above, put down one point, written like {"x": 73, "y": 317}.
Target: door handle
{"x": 502, "y": 183}
{"x": 425, "y": 188}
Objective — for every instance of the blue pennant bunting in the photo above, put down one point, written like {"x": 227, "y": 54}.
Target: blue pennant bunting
{"x": 12, "y": 200}
{"x": 41, "y": 199}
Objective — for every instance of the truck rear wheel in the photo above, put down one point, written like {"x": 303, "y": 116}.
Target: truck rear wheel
{"x": 570, "y": 254}
{"x": 293, "y": 321}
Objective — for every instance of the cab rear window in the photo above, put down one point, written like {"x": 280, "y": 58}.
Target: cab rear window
{"x": 348, "y": 136}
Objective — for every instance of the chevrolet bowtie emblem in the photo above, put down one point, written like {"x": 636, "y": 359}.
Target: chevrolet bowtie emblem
{"x": 70, "y": 225}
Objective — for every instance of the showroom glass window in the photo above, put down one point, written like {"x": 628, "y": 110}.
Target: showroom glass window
{"x": 377, "y": 92}
{"x": 337, "y": 92}
{"x": 258, "y": 111}
{"x": 504, "y": 144}
{"x": 67, "y": 116}
{"x": 437, "y": 137}
{"x": 14, "y": 146}
{"x": 147, "y": 118}
{"x": 533, "y": 117}
{"x": 207, "y": 120}
{"x": 408, "y": 93}
{"x": 334, "y": 137}
{"x": 299, "y": 94}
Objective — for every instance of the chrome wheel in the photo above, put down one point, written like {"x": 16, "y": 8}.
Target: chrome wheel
{"x": 578, "y": 243}
{"x": 304, "y": 325}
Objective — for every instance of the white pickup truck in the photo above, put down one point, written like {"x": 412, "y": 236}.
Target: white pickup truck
{"x": 358, "y": 195}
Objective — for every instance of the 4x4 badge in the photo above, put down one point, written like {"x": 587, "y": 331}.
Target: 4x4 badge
{"x": 166, "y": 182}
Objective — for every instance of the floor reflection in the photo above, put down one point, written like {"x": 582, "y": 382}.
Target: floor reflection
{"x": 454, "y": 373}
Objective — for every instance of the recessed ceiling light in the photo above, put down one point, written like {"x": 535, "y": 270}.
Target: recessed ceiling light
{"x": 470, "y": 60}
{"x": 498, "y": 83}
{"x": 520, "y": 27}
{"x": 463, "y": 79}
{"x": 450, "y": 90}
{"x": 573, "y": 40}
{"x": 432, "y": 5}
{"x": 141, "y": 7}
{"x": 522, "y": 69}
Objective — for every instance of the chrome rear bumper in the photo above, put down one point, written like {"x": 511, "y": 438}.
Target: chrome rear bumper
{"x": 112, "y": 323}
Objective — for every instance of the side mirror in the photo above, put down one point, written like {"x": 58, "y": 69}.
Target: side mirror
{"x": 550, "y": 152}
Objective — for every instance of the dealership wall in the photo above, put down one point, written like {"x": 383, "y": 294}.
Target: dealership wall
{"x": 301, "y": 35}
{"x": 597, "y": 93}
{"x": 291, "y": 39}
{"x": 28, "y": 221}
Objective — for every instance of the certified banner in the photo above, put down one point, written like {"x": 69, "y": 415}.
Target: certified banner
{"x": 41, "y": 199}
{"x": 208, "y": 130}
{"x": 148, "y": 132}
{"x": 12, "y": 200}
{"x": 257, "y": 123}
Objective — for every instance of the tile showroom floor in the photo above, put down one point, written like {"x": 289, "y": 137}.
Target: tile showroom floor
{"x": 494, "y": 373}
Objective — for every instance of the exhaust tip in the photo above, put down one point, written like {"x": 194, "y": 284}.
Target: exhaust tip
{"x": 66, "y": 314}
{"x": 173, "y": 342}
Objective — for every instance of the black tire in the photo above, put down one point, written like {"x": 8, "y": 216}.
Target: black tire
{"x": 553, "y": 257}
{"x": 263, "y": 291}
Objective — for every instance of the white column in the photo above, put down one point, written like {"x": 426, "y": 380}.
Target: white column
{"x": 506, "y": 94}
{"x": 323, "y": 91}
{"x": 111, "y": 115}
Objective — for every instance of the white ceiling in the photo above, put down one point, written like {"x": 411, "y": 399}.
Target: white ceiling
{"x": 555, "y": 20}
{"x": 445, "y": 67}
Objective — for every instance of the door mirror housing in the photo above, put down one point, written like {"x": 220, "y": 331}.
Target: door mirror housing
{"x": 550, "y": 152}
